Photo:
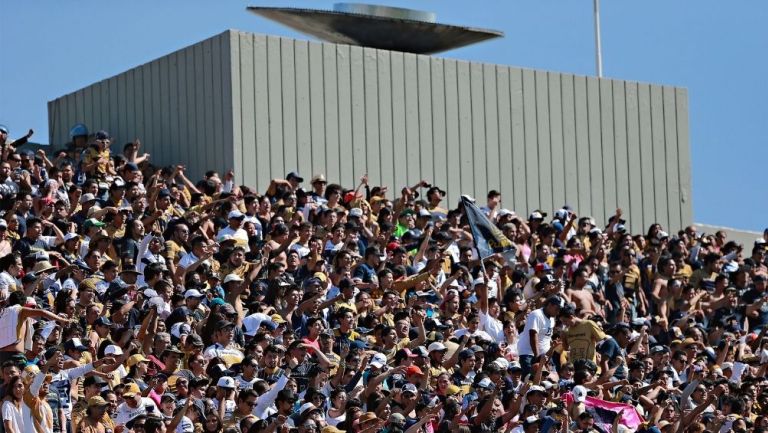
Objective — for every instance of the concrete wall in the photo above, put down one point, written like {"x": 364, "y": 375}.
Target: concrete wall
{"x": 267, "y": 105}
{"x": 179, "y": 106}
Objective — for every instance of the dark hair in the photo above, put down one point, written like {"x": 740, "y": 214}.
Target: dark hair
{"x": 10, "y": 386}
{"x": 152, "y": 424}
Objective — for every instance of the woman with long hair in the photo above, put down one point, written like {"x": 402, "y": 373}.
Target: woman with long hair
{"x": 337, "y": 412}
{"x": 212, "y": 423}
{"x": 12, "y": 417}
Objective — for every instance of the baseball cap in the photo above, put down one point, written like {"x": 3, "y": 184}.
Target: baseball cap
{"x": 193, "y": 293}
{"x": 97, "y": 401}
{"x": 579, "y": 393}
{"x": 235, "y": 214}
{"x": 131, "y": 390}
{"x": 378, "y": 360}
{"x": 102, "y": 321}
{"x": 75, "y": 344}
{"x": 536, "y": 388}
{"x": 113, "y": 350}
{"x": 556, "y": 300}
{"x": 85, "y": 198}
{"x": 232, "y": 277}
{"x": 409, "y": 387}
{"x": 93, "y": 222}
{"x": 226, "y": 382}
{"x": 413, "y": 369}
{"x": 135, "y": 359}
{"x": 485, "y": 383}
{"x": 396, "y": 418}
{"x": 294, "y": 175}
{"x": 436, "y": 346}
{"x": 93, "y": 380}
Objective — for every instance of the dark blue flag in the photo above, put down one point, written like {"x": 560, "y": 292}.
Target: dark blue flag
{"x": 488, "y": 238}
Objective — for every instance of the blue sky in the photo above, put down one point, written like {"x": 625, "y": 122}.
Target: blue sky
{"x": 715, "y": 49}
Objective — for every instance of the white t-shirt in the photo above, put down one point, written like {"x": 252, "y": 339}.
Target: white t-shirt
{"x": 126, "y": 413}
{"x": 492, "y": 326}
{"x": 244, "y": 383}
{"x": 8, "y": 284}
{"x": 240, "y": 236}
{"x": 13, "y": 414}
{"x": 185, "y": 426}
{"x": 543, "y": 325}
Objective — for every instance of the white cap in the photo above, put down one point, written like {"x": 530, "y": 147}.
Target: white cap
{"x": 424, "y": 213}
{"x": 235, "y": 214}
{"x": 661, "y": 235}
{"x": 504, "y": 212}
{"x": 727, "y": 366}
{"x": 356, "y": 212}
{"x": 231, "y": 277}
{"x": 536, "y": 388}
{"x": 226, "y": 382}
{"x": 502, "y": 363}
{"x": 436, "y": 346}
{"x": 225, "y": 238}
{"x": 85, "y": 198}
{"x": 561, "y": 214}
{"x": 378, "y": 360}
{"x": 306, "y": 407}
{"x": 113, "y": 350}
{"x": 485, "y": 383}
{"x": 70, "y": 236}
{"x": 579, "y": 393}
{"x": 536, "y": 215}
{"x": 180, "y": 328}
{"x": 193, "y": 293}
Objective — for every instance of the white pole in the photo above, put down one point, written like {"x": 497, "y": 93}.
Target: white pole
{"x": 598, "y": 48}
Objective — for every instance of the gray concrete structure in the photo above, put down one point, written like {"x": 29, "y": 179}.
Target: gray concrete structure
{"x": 267, "y": 105}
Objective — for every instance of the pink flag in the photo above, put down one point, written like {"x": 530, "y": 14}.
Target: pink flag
{"x": 605, "y": 411}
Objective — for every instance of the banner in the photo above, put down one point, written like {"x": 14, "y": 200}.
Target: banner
{"x": 604, "y": 412}
{"x": 488, "y": 238}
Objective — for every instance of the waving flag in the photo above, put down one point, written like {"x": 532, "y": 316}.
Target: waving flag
{"x": 605, "y": 411}
{"x": 488, "y": 238}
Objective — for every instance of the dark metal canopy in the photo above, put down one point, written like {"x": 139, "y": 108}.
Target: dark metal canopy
{"x": 396, "y": 29}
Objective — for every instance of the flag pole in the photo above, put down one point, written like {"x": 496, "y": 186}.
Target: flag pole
{"x": 598, "y": 47}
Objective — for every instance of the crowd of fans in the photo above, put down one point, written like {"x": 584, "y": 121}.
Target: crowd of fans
{"x": 134, "y": 299}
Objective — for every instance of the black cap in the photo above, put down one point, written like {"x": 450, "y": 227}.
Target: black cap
{"x": 294, "y": 175}
{"x": 93, "y": 380}
{"x": 221, "y": 324}
{"x": 102, "y": 321}
{"x": 555, "y": 300}
{"x": 194, "y": 340}
{"x": 345, "y": 283}
{"x": 286, "y": 395}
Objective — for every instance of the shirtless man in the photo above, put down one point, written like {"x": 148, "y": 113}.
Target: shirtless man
{"x": 579, "y": 295}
